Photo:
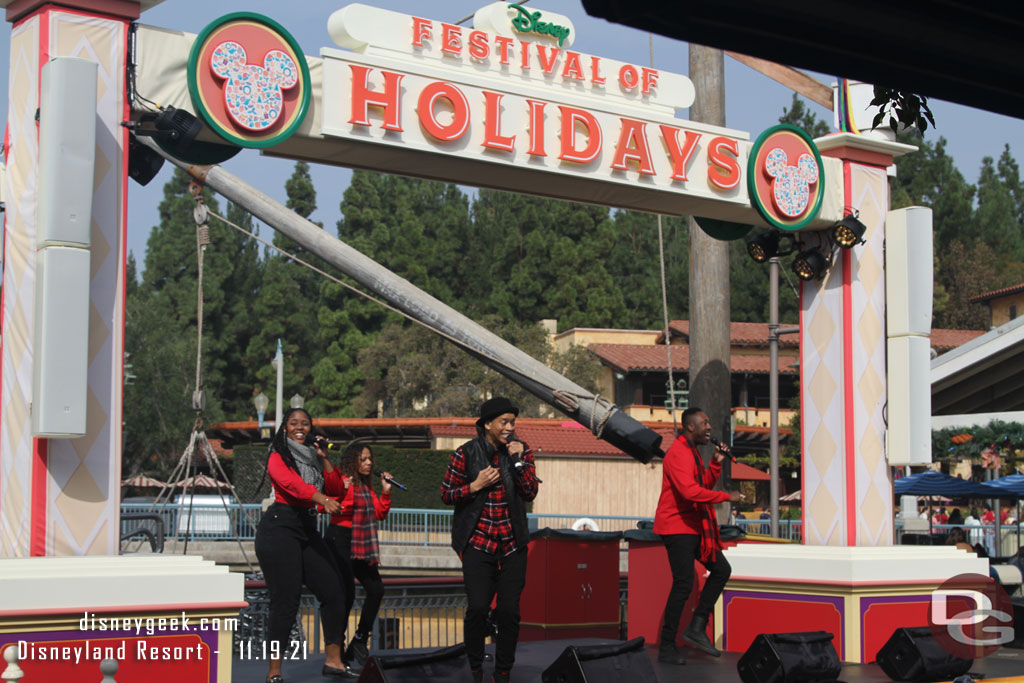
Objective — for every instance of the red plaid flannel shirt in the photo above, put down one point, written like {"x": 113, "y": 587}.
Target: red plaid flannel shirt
{"x": 493, "y": 533}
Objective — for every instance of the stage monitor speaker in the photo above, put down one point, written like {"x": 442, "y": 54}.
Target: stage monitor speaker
{"x": 614, "y": 663}
{"x": 912, "y": 654}
{"x": 790, "y": 658}
{"x": 447, "y": 665}
{"x": 67, "y": 151}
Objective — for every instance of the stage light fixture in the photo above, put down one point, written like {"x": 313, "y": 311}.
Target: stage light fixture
{"x": 810, "y": 264}
{"x": 849, "y": 232}
{"x": 175, "y": 129}
{"x": 764, "y": 246}
{"x": 143, "y": 163}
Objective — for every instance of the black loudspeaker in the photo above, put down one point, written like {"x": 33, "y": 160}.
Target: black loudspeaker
{"x": 1018, "y": 623}
{"x": 790, "y": 658}
{"x": 447, "y": 665}
{"x": 617, "y": 663}
{"x": 911, "y": 654}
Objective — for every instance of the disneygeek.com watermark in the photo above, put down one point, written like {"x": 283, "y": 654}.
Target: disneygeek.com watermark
{"x": 971, "y": 616}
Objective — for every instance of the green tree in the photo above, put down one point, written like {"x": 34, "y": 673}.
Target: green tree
{"x": 634, "y": 267}
{"x": 412, "y": 371}
{"x": 996, "y": 220}
{"x": 161, "y": 325}
{"x": 534, "y": 258}
{"x": 287, "y": 304}
{"x": 801, "y": 116}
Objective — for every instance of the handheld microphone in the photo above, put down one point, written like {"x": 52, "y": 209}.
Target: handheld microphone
{"x": 389, "y": 480}
{"x": 722, "y": 447}
{"x": 319, "y": 440}
{"x": 517, "y": 462}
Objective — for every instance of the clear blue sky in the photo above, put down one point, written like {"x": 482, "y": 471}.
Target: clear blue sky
{"x": 753, "y": 102}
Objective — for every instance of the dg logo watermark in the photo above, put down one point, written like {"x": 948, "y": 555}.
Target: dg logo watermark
{"x": 971, "y": 616}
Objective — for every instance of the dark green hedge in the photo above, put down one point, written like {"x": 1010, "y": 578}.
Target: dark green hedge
{"x": 421, "y": 470}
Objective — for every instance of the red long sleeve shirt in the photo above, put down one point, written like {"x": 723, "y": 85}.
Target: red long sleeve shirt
{"x": 291, "y": 489}
{"x": 682, "y": 492}
{"x": 381, "y": 507}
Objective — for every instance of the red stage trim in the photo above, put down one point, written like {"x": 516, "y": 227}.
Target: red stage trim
{"x": 849, "y": 421}
{"x": 744, "y": 617}
{"x": 122, "y": 609}
{"x": 163, "y": 667}
{"x": 880, "y": 619}
{"x": 761, "y": 581}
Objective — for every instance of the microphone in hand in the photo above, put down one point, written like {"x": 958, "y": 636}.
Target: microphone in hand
{"x": 517, "y": 461}
{"x": 377, "y": 472}
{"x": 726, "y": 451}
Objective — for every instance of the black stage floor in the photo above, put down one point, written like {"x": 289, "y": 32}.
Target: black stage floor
{"x": 532, "y": 658}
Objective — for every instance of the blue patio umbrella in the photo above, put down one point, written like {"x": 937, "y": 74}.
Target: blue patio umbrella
{"x": 932, "y": 483}
{"x": 1012, "y": 484}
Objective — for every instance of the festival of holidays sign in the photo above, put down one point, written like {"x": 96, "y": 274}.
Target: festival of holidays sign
{"x": 507, "y": 103}
{"x": 512, "y": 92}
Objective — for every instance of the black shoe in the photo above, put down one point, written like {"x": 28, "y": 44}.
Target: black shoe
{"x": 501, "y": 677}
{"x": 668, "y": 653}
{"x": 275, "y": 679}
{"x": 343, "y": 673}
{"x": 359, "y": 650}
{"x": 478, "y": 675}
{"x": 696, "y": 637}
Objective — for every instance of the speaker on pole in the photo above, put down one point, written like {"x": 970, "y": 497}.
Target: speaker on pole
{"x": 789, "y": 658}
{"x": 615, "y": 663}
{"x": 447, "y": 665}
{"x": 912, "y": 654}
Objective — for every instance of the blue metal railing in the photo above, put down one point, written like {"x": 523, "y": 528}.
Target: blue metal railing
{"x": 403, "y": 526}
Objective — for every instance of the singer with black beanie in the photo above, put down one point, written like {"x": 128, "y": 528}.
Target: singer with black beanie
{"x": 490, "y": 480}
{"x": 290, "y": 549}
{"x": 352, "y": 537}
{"x": 686, "y": 522}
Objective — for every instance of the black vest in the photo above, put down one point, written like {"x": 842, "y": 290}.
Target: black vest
{"x": 478, "y": 456}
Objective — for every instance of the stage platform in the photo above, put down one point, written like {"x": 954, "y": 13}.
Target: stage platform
{"x": 532, "y": 658}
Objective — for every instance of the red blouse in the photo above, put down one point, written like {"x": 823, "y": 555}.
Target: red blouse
{"x": 291, "y": 489}
{"x": 381, "y": 507}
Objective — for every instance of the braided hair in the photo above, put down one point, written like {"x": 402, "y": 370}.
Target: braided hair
{"x": 349, "y": 464}
{"x": 279, "y": 444}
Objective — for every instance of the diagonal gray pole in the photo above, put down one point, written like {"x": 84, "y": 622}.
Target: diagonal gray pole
{"x": 602, "y": 417}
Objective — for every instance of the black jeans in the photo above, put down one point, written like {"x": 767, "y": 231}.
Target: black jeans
{"x": 484, "y": 575}
{"x": 339, "y": 540}
{"x": 683, "y": 549}
{"x": 291, "y": 553}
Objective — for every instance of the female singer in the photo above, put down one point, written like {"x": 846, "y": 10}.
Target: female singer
{"x": 352, "y": 537}
{"x": 290, "y": 549}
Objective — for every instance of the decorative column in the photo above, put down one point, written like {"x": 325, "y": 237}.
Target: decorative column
{"x": 847, "y": 486}
{"x": 61, "y": 496}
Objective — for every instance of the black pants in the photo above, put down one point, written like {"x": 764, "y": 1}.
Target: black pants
{"x": 292, "y": 553}
{"x": 484, "y": 575}
{"x": 339, "y": 540}
{"x": 683, "y": 549}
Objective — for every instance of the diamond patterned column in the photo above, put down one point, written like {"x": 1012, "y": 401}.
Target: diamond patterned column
{"x": 846, "y": 481}
{"x": 60, "y": 496}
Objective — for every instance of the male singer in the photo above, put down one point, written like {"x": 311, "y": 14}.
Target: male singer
{"x": 686, "y": 522}
{"x": 489, "y": 481}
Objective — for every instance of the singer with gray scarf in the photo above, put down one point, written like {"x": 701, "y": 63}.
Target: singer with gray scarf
{"x": 290, "y": 549}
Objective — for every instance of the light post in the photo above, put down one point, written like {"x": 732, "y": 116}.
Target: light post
{"x": 261, "y": 402}
{"x": 773, "y": 389}
{"x": 297, "y": 401}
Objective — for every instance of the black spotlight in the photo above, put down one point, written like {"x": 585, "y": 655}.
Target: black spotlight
{"x": 764, "y": 246}
{"x": 143, "y": 163}
{"x": 810, "y": 264}
{"x": 849, "y": 232}
{"x": 175, "y": 128}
